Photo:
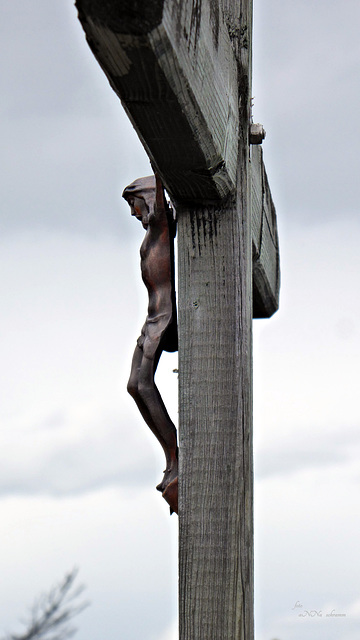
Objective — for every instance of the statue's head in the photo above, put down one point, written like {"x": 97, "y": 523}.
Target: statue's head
{"x": 140, "y": 195}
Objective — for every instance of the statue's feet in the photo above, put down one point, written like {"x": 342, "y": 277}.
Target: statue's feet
{"x": 170, "y": 473}
{"x": 169, "y": 487}
{"x": 171, "y": 496}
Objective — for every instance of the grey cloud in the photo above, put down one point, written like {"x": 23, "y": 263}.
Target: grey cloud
{"x": 56, "y": 74}
{"x": 63, "y": 455}
{"x": 53, "y": 178}
{"x": 306, "y": 450}
{"x": 66, "y": 173}
{"x": 67, "y": 147}
{"x": 307, "y": 64}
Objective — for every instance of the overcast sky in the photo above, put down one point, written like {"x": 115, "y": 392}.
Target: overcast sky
{"x": 77, "y": 465}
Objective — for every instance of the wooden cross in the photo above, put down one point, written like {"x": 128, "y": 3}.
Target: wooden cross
{"x": 182, "y": 69}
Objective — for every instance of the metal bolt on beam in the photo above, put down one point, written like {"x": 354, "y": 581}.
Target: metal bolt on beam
{"x": 257, "y": 133}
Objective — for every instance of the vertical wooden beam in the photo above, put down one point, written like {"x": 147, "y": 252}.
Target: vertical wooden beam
{"x": 216, "y": 537}
{"x": 215, "y": 402}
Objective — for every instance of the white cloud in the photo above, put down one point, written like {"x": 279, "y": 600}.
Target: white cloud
{"x": 306, "y": 74}
{"x": 123, "y": 551}
{"x": 71, "y": 321}
{"x": 353, "y": 609}
{"x": 306, "y": 531}
{"x": 306, "y": 357}
{"x": 76, "y": 452}
{"x": 71, "y": 313}
{"x": 171, "y": 632}
{"x": 307, "y": 436}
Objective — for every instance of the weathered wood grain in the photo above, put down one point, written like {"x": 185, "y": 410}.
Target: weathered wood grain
{"x": 266, "y": 260}
{"x": 174, "y": 66}
{"x": 215, "y": 403}
{"x": 215, "y": 513}
{"x": 176, "y": 75}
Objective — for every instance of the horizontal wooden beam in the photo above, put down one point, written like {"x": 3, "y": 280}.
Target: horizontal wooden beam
{"x": 265, "y": 244}
{"x": 174, "y": 69}
{"x": 179, "y": 88}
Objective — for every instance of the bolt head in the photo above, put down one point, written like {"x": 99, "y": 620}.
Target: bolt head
{"x": 257, "y": 133}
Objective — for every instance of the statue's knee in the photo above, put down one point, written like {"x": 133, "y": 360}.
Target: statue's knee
{"x": 132, "y": 387}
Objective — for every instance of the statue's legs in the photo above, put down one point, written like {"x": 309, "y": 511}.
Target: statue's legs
{"x": 143, "y": 389}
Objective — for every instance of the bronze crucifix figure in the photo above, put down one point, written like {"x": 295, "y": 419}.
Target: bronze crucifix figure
{"x": 159, "y": 333}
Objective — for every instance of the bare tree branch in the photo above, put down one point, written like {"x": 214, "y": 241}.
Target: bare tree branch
{"x": 52, "y": 613}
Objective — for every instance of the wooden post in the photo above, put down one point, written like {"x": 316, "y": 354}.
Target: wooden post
{"x": 183, "y": 73}
{"x": 215, "y": 514}
{"x": 215, "y": 404}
